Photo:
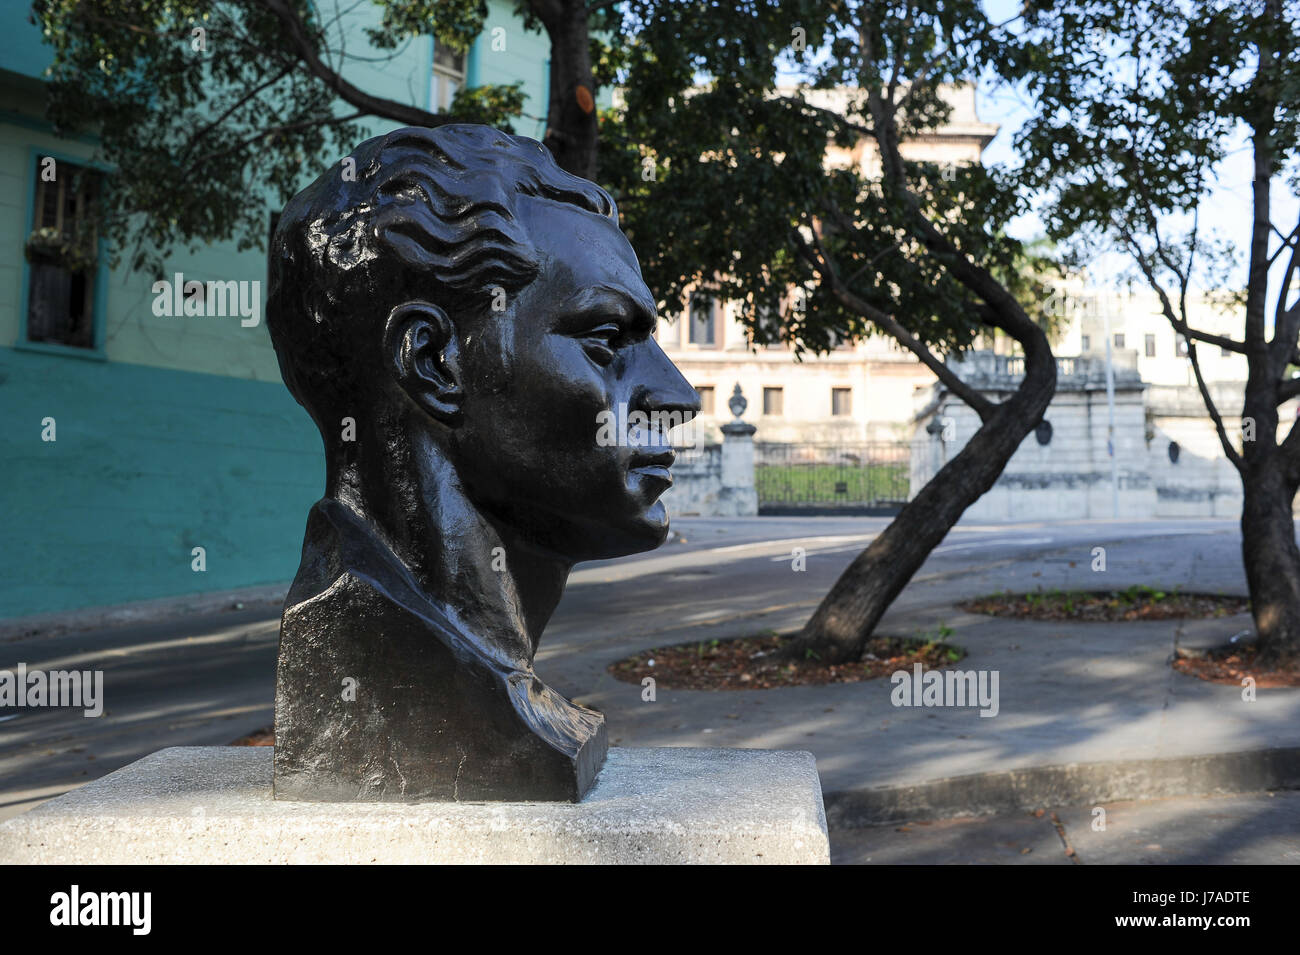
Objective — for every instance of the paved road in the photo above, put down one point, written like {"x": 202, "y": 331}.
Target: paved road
{"x": 208, "y": 679}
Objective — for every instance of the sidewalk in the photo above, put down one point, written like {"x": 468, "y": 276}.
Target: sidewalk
{"x": 1251, "y": 829}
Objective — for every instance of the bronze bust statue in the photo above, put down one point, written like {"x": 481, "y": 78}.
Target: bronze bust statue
{"x": 458, "y": 315}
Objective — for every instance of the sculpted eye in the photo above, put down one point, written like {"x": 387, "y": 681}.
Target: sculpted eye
{"x": 600, "y": 341}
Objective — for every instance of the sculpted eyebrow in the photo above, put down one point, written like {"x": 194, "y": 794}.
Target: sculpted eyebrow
{"x": 596, "y": 303}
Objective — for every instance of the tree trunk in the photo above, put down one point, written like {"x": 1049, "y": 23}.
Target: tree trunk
{"x": 839, "y": 629}
{"x": 571, "y": 109}
{"x": 1268, "y": 471}
{"x": 1268, "y": 549}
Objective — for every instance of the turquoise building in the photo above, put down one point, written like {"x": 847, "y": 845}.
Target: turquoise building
{"x": 151, "y": 455}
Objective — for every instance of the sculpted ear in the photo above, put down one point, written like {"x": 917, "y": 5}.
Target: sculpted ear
{"x": 420, "y": 342}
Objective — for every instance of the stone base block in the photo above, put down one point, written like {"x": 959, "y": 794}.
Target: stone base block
{"x": 213, "y": 805}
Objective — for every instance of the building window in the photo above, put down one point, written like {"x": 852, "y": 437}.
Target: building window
{"x": 1180, "y": 345}
{"x": 63, "y": 254}
{"x": 706, "y": 399}
{"x": 1085, "y": 343}
{"x": 1151, "y": 346}
{"x": 448, "y": 76}
{"x": 1119, "y": 339}
{"x": 773, "y": 402}
{"x": 702, "y": 326}
{"x": 841, "y": 402}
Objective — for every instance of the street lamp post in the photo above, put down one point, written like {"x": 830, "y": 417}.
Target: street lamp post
{"x": 1110, "y": 413}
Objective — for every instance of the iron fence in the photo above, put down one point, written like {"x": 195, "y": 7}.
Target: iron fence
{"x": 869, "y": 477}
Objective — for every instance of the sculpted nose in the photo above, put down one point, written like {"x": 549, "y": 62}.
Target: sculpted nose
{"x": 660, "y": 388}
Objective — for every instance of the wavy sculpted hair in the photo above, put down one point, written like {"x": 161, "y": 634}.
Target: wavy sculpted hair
{"x": 415, "y": 214}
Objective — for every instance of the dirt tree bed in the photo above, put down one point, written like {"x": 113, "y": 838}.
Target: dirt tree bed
{"x": 755, "y": 663}
{"x": 1135, "y": 603}
{"x": 1232, "y": 664}
{"x": 262, "y": 737}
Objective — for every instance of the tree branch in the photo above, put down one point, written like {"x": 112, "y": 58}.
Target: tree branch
{"x": 301, "y": 43}
{"x": 263, "y": 133}
{"x": 1286, "y": 321}
{"x": 821, "y": 262}
{"x": 1287, "y": 241}
{"x": 240, "y": 103}
{"x": 1006, "y": 312}
{"x": 1167, "y": 307}
{"x": 1290, "y": 449}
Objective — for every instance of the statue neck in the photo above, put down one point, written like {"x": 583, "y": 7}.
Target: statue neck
{"x": 493, "y": 587}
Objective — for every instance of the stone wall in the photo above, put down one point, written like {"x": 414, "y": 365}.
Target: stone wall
{"x": 716, "y": 480}
{"x": 697, "y": 482}
{"x": 1193, "y": 478}
{"x": 1065, "y": 471}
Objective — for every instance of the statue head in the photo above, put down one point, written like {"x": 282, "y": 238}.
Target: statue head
{"x": 478, "y": 315}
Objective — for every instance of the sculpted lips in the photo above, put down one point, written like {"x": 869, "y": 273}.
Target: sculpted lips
{"x": 654, "y": 465}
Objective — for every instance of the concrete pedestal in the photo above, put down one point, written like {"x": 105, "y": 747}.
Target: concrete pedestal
{"x": 213, "y": 805}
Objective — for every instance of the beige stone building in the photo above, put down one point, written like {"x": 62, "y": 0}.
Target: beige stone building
{"x": 860, "y": 392}
{"x": 1192, "y": 474}
{"x": 1142, "y": 338}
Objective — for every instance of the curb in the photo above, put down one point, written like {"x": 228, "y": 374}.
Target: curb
{"x": 1069, "y": 784}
